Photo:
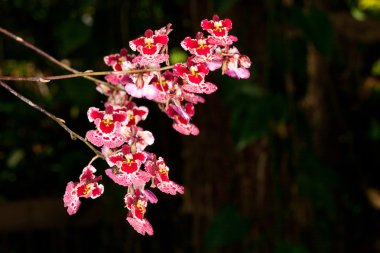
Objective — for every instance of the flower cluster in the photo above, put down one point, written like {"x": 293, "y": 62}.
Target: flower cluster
{"x": 176, "y": 89}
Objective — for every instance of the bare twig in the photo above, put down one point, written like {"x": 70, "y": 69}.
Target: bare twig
{"x": 61, "y": 122}
{"x": 49, "y": 57}
{"x": 93, "y": 159}
{"x": 81, "y": 74}
{"x": 87, "y": 74}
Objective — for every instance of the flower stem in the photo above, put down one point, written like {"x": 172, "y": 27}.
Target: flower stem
{"x": 93, "y": 159}
{"x": 47, "y": 56}
{"x": 81, "y": 74}
{"x": 59, "y": 121}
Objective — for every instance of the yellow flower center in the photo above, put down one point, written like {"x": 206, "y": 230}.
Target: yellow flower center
{"x": 86, "y": 189}
{"x": 163, "y": 171}
{"x": 128, "y": 161}
{"x": 201, "y": 44}
{"x": 107, "y": 122}
{"x": 149, "y": 42}
{"x": 140, "y": 206}
{"x": 218, "y": 26}
{"x": 193, "y": 69}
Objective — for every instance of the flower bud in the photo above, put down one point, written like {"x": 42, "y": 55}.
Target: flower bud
{"x": 244, "y": 61}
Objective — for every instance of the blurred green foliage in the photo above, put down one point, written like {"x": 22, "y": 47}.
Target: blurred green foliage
{"x": 227, "y": 227}
{"x": 255, "y": 114}
{"x": 316, "y": 27}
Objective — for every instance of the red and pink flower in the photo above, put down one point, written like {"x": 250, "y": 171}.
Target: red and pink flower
{"x": 136, "y": 113}
{"x": 216, "y": 27}
{"x": 200, "y": 47}
{"x": 119, "y": 62}
{"x": 236, "y": 65}
{"x": 107, "y": 124}
{"x": 127, "y": 171}
{"x": 176, "y": 91}
{"x": 137, "y": 137}
{"x": 140, "y": 86}
{"x": 149, "y": 46}
{"x": 87, "y": 187}
{"x": 116, "y": 61}
{"x": 137, "y": 203}
{"x": 167, "y": 86}
{"x": 160, "y": 172}
{"x": 181, "y": 116}
{"x": 194, "y": 76}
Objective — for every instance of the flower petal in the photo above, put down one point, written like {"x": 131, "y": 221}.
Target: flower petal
{"x": 70, "y": 199}
{"x": 95, "y": 137}
{"x": 141, "y": 226}
{"x": 170, "y": 187}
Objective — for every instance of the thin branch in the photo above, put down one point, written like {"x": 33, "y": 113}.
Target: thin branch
{"x": 61, "y": 122}
{"x": 47, "y": 56}
{"x": 81, "y": 74}
{"x": 93, "y": 159}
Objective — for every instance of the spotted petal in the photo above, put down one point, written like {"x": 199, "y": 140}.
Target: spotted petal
{"x": 95, "y": 137}
{"x": 94, "y": 113}
{"x": 137, "y": 178}
{"x": 70, "y": 199}
{"x": 170, "y": 187}
{"x": 113, "y": 141}
{"x": 208, "y": 87}
{"x": 186, "y": 129}
{"x": 141, "y": 226}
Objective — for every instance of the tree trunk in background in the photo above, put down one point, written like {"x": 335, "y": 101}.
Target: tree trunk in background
{"x": 216, "y": 174}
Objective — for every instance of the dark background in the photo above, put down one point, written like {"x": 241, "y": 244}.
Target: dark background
{"x": 286, "y": 162}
